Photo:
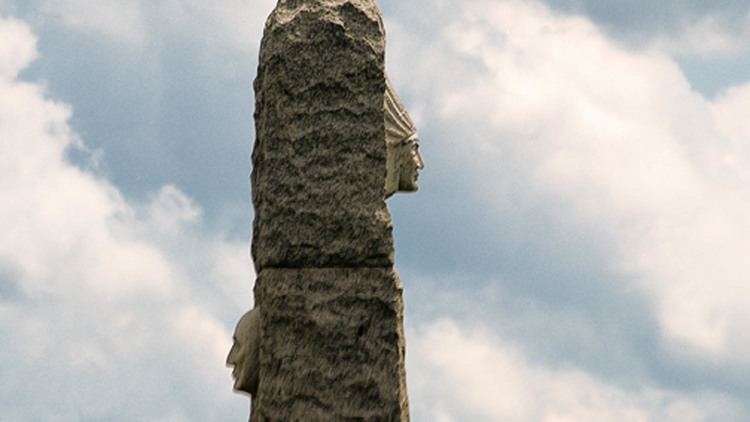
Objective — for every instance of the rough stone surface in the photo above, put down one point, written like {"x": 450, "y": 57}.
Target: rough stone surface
{"x": 319, "y": 160}
{"x": 332, "y": 345}
{"x": 330, "y": 303}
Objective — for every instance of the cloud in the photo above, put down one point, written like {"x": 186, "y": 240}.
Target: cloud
{"x": 226, "y": 23}
{"x": 573, "y": 145}
{"x": 727, "y": 110}
{"x": 237, "y": 23}
{"x": 681, "y": 27}
{"x": 129, "y": 92}
{"x": 121, "y": 20}
{"x": 111, "y": 309}
{"x": 18, "y": 49}
{"x": 470, "y": 375}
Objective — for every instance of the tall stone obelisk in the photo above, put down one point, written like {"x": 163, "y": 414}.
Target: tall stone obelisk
{"x": 330, "y": 302}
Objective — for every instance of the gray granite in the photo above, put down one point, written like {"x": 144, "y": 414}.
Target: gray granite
{"x": 319, "y": 160}
{"x": 325, "y": 340}
{"x": 332, "y": 345}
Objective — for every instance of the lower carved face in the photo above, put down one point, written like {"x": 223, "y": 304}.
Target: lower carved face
{"x": 243, "y": 355}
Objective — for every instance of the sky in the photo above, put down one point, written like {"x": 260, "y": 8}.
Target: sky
{"x": 575, "y": 252}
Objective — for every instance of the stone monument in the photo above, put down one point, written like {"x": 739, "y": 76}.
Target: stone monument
{"x": 325, "y": 340}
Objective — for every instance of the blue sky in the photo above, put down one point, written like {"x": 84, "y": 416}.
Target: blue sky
{"x": 575, "y": 252}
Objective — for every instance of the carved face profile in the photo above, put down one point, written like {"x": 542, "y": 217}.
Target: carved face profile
{"x": 409, "y": 164}
{"x": 243, "y": 356}
{"x": 403, "y": 160}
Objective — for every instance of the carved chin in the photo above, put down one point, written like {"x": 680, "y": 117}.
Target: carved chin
{"x": 409, "y": 185}
{"x": 246, "y": 380}
{"x": 239, "y": 381}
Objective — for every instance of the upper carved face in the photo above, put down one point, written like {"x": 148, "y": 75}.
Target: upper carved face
{"x": 410, "y": 163}
{"x": 243, "y": 356}
{"x": 403, "y": 160}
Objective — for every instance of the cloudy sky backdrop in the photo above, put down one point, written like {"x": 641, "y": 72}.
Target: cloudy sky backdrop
{"x": 577, "y": 251}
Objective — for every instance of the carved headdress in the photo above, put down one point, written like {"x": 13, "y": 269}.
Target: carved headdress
{"x": 398, "y": 125}
{"x": 403, "y": 159}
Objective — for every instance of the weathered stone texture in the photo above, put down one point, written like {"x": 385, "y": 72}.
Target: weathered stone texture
{"x": 319, "y": 159}
{"x": 333, "y": 345}
{"x": 330, "y": 303}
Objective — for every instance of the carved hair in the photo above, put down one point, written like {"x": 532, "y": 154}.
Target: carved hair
{"x": 398, "y": 125}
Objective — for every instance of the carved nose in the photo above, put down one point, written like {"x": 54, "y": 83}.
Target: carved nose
{"x": 230, "y": 356}
{"x": 418, "y": 158}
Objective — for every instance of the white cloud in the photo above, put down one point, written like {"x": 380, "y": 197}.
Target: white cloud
{"x": 238, "y": 23}
{"x": 18, "y": 48}
{"x": 118, "y": 309}
{"x": 118, "y": 19}
{"x": 233, "y": 23}
{"x": 460, "y": 375}
{"x": 546, "y": 111}
{"x": 729, "y": 112}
